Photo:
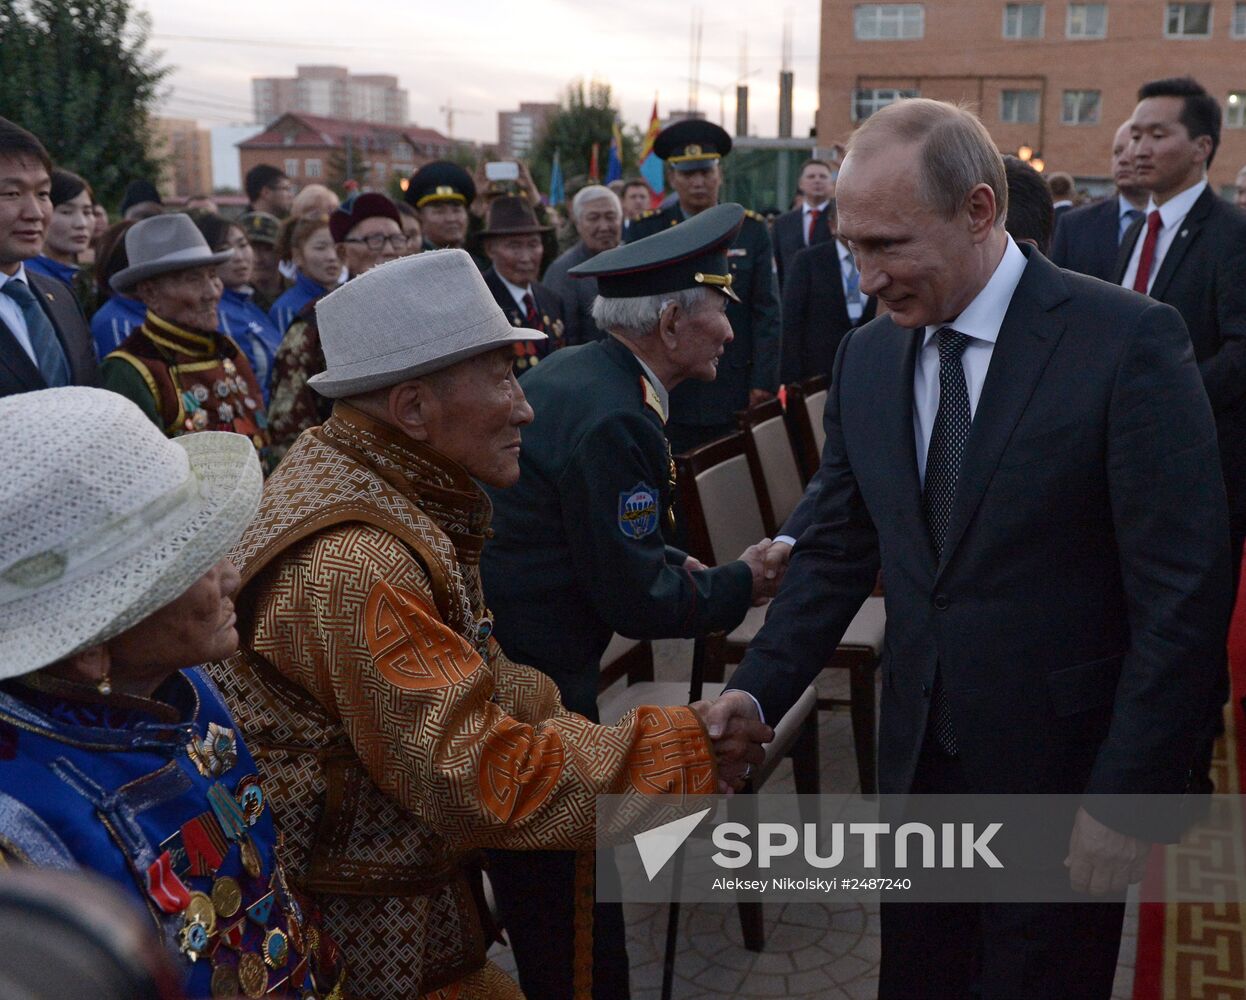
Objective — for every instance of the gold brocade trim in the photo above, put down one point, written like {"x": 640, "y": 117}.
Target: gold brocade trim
{"x": 179, "y": 338}
{"x": 140, "y": 366}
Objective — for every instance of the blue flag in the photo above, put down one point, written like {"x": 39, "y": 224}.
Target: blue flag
{"x": 556, "y": 193}
{"x": 614, "y": 161}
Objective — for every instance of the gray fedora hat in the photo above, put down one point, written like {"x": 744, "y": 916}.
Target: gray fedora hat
{"x": 409, "y": 317}
{"x": 162, "y": 244}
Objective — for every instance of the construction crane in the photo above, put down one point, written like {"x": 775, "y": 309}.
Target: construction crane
{"x": 449, "y": 110}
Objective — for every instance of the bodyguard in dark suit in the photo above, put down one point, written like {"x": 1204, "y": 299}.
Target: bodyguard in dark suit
{"x": 811, "y": 222}
{"x": 1030, "y": 456}
{"x": 44, "y": 339}
{"x": 1191, "y": 254}
{"x": 1088, "y": 238}
{"x": 748, "y": 372}
{"x": 577, "y": 551}
{"x": 816, "y": 310}
{"x": 512, "y": 242}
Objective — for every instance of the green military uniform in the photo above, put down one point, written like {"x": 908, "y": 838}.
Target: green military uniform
{"x": 703, "y": 411}
{"x": 577, "y": 555}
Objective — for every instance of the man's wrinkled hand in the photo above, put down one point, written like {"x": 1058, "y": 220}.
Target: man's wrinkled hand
{"x": 775, "y": 562}
{"x": 755, "y": 558}
{"x": 692, "y": 564}
{"x": 1102, "y": 861}
{"x": 738, "y": 737}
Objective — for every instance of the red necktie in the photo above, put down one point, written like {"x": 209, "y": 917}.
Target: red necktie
{"x": 1153, "y": 223}
{"x": 814, "y": 215}
{"x": 533, "y": 319}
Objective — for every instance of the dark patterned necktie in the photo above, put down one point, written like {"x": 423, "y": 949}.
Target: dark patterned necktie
{"x": 943, "y": 460}
{"x": 533, "y": 319}
{"x": 49, "y": 355}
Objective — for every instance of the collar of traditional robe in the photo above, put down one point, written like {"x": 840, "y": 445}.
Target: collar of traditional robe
{"x": 180, "y": 339}
{"x": 439, "y": 486}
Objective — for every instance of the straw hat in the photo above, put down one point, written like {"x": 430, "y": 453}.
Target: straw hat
{"x": 104, "y": 520}
{"x": 406, "y": 318}
{"x": 162, "y": 244}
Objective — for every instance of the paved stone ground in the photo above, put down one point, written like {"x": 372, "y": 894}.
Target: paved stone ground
{"x": 812, "y": 950}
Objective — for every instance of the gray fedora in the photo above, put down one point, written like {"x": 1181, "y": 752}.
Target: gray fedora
{"x": 162, "y": 244}
{"x": 409, "y": 317}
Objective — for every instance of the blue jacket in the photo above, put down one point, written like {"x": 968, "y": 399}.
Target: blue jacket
{"x": 115, "y": 320}
{"x": 252, "y": 330}
{"x": 117, "y": 790}
{"x": 54, "y": 269}
{"x": 293, "y": 299}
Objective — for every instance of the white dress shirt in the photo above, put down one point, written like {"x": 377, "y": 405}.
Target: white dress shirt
{"x": 805, "y": 228}
{"x": 980, "y": 321}
{"x": 1172, "y": 214}
{"x": 517, "y": 293}
{"x": 11, "y": 313}
{"x": 847, "y": 268}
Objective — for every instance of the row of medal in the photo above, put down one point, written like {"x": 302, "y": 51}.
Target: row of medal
{"x": 232, "y": 400}
{"x": 217, "y": 926}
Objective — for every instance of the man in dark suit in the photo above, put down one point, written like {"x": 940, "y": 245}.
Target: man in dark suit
{"x": 822, "y": 300}
{"x": 44, "y": 338}
{"x": 1191, "y": 254}
{"x": 1088, "y": 238}
{"x": 809, "y": 224}
{"x": 512, "y": 242}
{"x": 748, "y": 371}
{"x": 1030, "y": 455}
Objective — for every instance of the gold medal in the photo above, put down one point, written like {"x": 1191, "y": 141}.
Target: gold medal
{"x": 275, "y": 948}
{"x": 201, "y": 910}
{"x": 225, "y": 983}
{"x": 226, "y": 896}
{"x": 251, "y": 859}
{"x": 252, "y": 975}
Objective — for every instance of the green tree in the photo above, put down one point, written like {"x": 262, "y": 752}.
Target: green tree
{"x": 78, "y": 74}
{"x": 586, "y": 116}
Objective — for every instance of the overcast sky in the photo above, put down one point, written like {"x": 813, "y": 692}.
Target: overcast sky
{"x": 488, "y": 55}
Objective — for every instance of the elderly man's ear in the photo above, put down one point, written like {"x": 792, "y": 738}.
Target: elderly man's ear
{"x": 666, "y": 324}
{"x": 411, "y": 406}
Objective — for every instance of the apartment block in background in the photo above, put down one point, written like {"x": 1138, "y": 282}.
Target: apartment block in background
{"x": 520, "y": 131}
{"x": 186, "y": 150}
{"x": 1055, "y": 76}
{"x": 331, "y": 92}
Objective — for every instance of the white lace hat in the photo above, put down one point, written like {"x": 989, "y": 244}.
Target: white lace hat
{"x": 408, "y": 317}
{"x": 104, "y": 520}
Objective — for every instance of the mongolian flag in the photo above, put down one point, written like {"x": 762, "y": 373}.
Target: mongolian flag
{"x": 594, "y": 171}
{"x": 651, "y": 164}
{"x": 614, "y": 160}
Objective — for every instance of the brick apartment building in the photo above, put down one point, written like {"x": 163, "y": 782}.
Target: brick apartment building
{"x": 186, "y": 152}
{"x": 311, "y": 149}
{"x": 331, "y": 92}
{"x": 1058, "y": 77}
{"x": 520, "y": 131}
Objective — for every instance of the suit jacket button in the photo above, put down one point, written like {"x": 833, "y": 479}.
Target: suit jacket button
{"x": 941, "y": 602}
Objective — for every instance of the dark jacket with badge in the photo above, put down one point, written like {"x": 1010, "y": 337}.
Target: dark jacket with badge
{"x": 160, "y": 797}
{"x": 550, "y": 310}
{"x": 18, "y": 373}
{"x": 751, "y": 360}
{"x": 577, "y": 552}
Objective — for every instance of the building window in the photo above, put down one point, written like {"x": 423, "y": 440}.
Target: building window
{"x": 1188, "y": 20}
{"x": 874, "y": 22}
{"x": 866, "y": 102}
{"x": 1081, "y": 107}
{"x": 292, "y": 168}
{"x": 311, "y": 168}
{"x": 1018, "y": 107}
{"x": 1023, "y": 20}
{"x": 1239, "y": 20}
{"x": 1235, "y": 110}
{"x": 1087, "y": 20}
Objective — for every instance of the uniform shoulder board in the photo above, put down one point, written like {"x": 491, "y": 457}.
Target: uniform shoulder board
{"x": 647, "y": 213}
{"x": 750, "y": 214}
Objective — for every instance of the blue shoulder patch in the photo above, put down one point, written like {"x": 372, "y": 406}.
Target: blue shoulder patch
{"x": 638, "y": 511}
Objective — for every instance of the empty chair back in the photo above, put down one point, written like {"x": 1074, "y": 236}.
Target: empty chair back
{"x": 772, "y": 448}
{"x": 720, "y": 500}
{"x": 815, "y": 406}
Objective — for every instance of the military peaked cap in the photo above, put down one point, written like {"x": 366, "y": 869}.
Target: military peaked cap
{"x": 440, "y": 180}
{"x": 260, "y": 227}
{"x": 693, "y": 144}
{"x": 690, "y": 255}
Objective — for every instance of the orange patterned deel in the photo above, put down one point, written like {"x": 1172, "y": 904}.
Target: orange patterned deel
{"x": 659, "y": 763}
{"x": 518, "y": 770}
{"x": 410, "y": 646}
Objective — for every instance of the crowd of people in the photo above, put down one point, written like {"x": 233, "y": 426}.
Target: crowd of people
{"x": 317, "y": 523}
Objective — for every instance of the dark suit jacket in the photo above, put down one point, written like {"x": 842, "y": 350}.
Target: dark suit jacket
{"x": 548, "y": 304}
{"x": 1087, "y": 239}
{"x": 1083, "y": 592}
{"x": 815, "y": 313}
{"x": 1203, "y": 276}
{"x": 18, "y": 373}
{"x": 789, "y": 238}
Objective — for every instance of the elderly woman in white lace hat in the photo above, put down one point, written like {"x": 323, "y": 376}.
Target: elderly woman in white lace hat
{"x": 116, "y": 753}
